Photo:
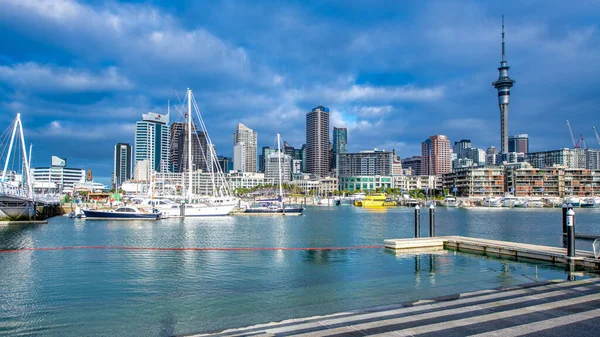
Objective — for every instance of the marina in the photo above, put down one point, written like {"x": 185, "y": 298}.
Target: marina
{"x": 196, "y": 275}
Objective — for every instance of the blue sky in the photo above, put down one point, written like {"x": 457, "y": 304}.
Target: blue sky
{"x": 392, "y": 72}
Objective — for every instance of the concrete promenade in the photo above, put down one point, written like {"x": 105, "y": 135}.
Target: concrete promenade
{"x": 557, "y": 308}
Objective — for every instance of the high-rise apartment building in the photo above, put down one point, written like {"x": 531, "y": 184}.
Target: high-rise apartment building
{"x": 414, "y": 164}
{"x": 518, "y": 143}
{"x": 177, "y": 131}
{"x": 262, "y": 157}
{"x": 317, "y": 141}
{"x": 366, "y": 163}
{"x": 461, "y": 148}
{"x": 245, "y": 141}
{"x": 272, "y": 168}
{"x": 122, "y": 163}
{"x": 152, "y": 138}
{"x": 436, "y": 156}
{"x": 201, "y": 154}
{"x": 340, "y": 143}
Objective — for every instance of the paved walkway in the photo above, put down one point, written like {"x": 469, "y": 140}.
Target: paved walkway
{"x": 542, "y": 309}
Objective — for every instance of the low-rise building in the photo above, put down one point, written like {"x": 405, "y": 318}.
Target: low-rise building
{"x": 365, "y": 183}
{"x": 477, "y": 181}
{"x": 409, "y": 183}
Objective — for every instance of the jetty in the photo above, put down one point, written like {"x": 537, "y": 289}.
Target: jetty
{"x": 557, "y": 308}
{"x": 504, "y": 249}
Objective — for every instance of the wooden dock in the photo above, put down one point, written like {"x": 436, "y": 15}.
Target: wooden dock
{"x": 23, "y": 222}
{"x": 518, "y": 251}
{"x": 539, "y": 309}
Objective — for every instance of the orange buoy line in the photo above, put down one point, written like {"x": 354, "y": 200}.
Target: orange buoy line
{"x": 30, "y": 249}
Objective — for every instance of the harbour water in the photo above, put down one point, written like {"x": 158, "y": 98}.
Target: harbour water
{"x": 110, "y": 280}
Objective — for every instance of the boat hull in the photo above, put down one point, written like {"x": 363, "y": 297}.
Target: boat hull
{"x": 274, "y": 210}
{"x": 104, "y": 215}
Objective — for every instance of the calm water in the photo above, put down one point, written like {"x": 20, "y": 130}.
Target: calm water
{"x": 109, "y": 292}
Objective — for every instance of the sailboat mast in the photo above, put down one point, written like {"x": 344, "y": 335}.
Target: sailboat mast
{"x": 189, "y": 114}
{"x": 279, "y": 166}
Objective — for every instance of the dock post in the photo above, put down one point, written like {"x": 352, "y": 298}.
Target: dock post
{"x": 570, "y": 233}
{"x": 431, "y": 221}
{"x": 417, "y": 221}
{"x": 564, "y": 218}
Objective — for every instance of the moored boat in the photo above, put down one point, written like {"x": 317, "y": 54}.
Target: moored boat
{"x": 450, "y": 201}
{"x": 122, "y": 213}
{"x": 535, "y": 203}
{"x": 492, "y": 201}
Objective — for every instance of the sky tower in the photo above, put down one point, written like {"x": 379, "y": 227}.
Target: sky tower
{"x": 503, "y": 85}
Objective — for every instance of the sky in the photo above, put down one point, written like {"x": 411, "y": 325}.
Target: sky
{"x": 81, "y": 73}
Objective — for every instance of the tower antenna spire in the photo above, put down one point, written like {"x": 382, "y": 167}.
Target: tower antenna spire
{"x": 502, "y": 37}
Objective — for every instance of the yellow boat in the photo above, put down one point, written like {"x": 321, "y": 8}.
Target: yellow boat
{"x": 374, "y": 200}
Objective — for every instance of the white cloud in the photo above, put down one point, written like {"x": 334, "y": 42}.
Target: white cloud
{"x": 59, "y": 129}
{"x": 371, "y": 111}
{"x": 358, "y": 92}
{"x": 48, "y": 78}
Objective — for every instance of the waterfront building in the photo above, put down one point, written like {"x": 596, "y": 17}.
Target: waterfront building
{"x": 475, "y": 181}
{"x": 340, "y": 143}
{"x": 152, "y": 140}
{"x": 317, "y": 141}
{"x": 552, "y": 181}
{"x": 365, "y": 183}
{"x": 244, "y": 148}
{"x": 396, "y": 165}
{"x": 319, "y": 186}
{"x": 436, "y": 155}
{"x": 272, "y": 164}
{"x": 122, "y": 163}
{"x": 141, "y": 171}
{"x": 248, "y": 180}
{"x": 462, "y": 163}
{"x": 201, "y": 153}
{"x": 518, "y": 143}
{"x": 461, "y": 148}
{"x": 503, "y": 85}
{"x": 366, "y": 163}
{"x": 414, "y": 164}
{"x": 58, "y": 173}
{"x": 408, "y": 183}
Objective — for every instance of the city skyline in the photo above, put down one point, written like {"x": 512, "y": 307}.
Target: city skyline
{"x": 392, "y": 79}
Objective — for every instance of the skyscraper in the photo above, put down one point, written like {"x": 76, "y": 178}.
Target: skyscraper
{"x": 122, "y": 163}
{"x": 244, "y": 142}
{"x": 200, "y": 151}
{"x": 340, "y": 143}
{"x": 503, "y": 85}
{"x": 317, "y": 141}
{"x": 460, "y": 148}
{"x": 152, "y": 138}
{"x": 177, "y": 131}
{"x": 265, "y": 152}
{"x": 518, "y": 143}
{"x": 436, "y": 156}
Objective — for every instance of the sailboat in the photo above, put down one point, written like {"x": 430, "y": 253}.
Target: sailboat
{"x": 275, "y": 206}
{"x": 220, "y": 203}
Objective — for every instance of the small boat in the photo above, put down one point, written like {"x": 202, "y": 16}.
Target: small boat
{"x": 122, "y": 213}
{"x": 588, "y": 203}
{"x": 450, "y": 201}
{"x": 509, "y": 201}
{"x": 519, "y": 203}
{"x": 492, "y": 201}
{"x": 412, "y": 202}
{"x": 573, "y": 201}
{"x": 535, "y": 203}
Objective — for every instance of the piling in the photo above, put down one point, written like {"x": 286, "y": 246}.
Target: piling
{"x": 417, "y": 221}
{"x": 570, "y": 233}
{"x": 431, "y": 221}
{"x": 564, "y": 218}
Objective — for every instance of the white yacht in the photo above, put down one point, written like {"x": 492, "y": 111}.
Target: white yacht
{"x": 574, "y": 201}
{"x": 492, "y": 201}
{"x": 520, "y": 203}
{"x": 450, "y": 201}
{"x": 509, "y": 200}
{"x": 535, "y": 203}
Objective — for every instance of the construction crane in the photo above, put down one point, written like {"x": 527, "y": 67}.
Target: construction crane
{"x": 582, "y": 141}
{"x": 575, "y": 145}
{"x": 596, "y": 132}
